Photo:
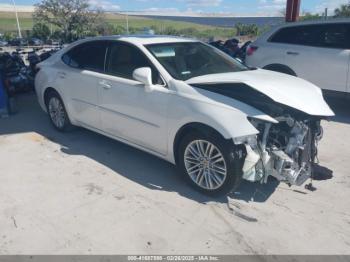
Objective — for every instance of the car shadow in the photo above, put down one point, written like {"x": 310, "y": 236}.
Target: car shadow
{"x": 322, "y": 173}
{"x": 135, "y": 165}
{"x": 255, "y": 192}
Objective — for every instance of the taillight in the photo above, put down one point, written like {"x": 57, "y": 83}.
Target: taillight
{"x": 251, "y": 49}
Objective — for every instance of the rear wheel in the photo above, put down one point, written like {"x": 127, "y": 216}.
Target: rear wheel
{"x": 209, "y": 163}
{"x": 57, "y": 112}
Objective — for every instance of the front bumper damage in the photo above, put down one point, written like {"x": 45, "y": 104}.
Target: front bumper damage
{"x": 278, "y": 164}
{"x": 291, "y": 163}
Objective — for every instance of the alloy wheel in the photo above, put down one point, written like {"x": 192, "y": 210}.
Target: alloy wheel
{"x": 57, "y": 113}
{"x": 205, "y": 164}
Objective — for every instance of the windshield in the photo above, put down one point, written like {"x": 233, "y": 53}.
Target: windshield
{"x": 187, "y": 60}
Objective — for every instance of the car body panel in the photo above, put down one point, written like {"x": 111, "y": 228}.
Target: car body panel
{"x": 127, "y": 110}
{"x": 325, "y": 67}
{"x": 289, "y": 90}
{"x": 189, "y": 105}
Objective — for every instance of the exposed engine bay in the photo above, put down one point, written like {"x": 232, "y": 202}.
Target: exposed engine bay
{"x": 286, "y": 150}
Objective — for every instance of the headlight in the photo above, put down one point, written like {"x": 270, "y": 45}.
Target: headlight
{"x": 250, "y": 140}
{"x": 262, "y": 118}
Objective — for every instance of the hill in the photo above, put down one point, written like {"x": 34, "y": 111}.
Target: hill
{"x": 8, "y": 23}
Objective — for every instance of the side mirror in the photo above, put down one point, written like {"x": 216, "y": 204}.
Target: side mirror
{"x": 144, "y": 75}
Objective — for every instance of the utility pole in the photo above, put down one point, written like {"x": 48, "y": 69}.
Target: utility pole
{"x": 325, "y": 13}
{"x": 292, "y": 10}
{"x": 18, "y": 27}
{"x": 127, "y": 23}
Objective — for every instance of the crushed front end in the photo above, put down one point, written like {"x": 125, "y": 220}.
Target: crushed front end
{"x": 286, "y": 150}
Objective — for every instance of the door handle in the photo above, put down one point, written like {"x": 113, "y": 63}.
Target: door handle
{"x": 105, "y": 84}
{"x": 292, "y": 53}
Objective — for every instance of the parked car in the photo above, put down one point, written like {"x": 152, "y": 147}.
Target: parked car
{"x": 35, "y": 41}
{"x": 188, "y": 103}
{"x": 46, "y": 54}
{"x": 18, "y": 42}
{"x": 316, "y": 51}
{"x": 3, "y": 43}
{"x": 53, "y": 42}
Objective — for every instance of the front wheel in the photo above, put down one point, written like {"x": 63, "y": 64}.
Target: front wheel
{"x": 209, "y": 163}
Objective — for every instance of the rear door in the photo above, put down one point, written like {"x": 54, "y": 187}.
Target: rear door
{"x": 80, "y": 83}
{"x": 318, "y": 53}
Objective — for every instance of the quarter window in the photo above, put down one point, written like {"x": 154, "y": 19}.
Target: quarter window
{"x": 336, "y": 36}
{"x": 89, "y": 56}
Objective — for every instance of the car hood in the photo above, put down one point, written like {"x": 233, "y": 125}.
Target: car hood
{"x": 284, "y": 89}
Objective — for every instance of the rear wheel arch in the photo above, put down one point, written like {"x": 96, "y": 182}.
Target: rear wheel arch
{"x": 50, "y": 90}
{"x": 280, "y": 68}
{"x": 47, "y": 92}
{"x": 51, "y": 93}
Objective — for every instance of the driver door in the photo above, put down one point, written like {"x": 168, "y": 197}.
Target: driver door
{"x": 127, "y": 111}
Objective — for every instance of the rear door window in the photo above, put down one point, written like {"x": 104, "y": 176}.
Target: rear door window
{"x": 297, "y": 35}
{"x": 321, "y": 35}
{"x": 88, "y": 56}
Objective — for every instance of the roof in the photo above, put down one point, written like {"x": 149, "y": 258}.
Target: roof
{"x": 320, "y": 21}
{"x": 145, "y": 39}
{"x": 266, "y": 35}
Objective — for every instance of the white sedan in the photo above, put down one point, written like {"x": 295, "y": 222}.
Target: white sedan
{"x": 190, "y": 104}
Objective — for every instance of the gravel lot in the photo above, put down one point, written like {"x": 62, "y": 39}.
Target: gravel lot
{"x": 82, "y": 193}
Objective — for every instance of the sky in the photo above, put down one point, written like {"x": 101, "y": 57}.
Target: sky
{"x": 195, "y": 7}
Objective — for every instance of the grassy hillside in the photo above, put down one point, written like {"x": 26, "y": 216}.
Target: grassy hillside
{"x": 8, "y": 23}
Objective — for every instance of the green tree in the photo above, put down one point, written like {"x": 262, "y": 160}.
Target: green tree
{"x": 342, "y": 11}
{"x": 246, "y": 29}
{"x": 308, "y": 16}
{"x": 101, "y": 27}
{"x": 9, "y": 36}
{"x": 119, "y": 30}
{"x": 189, "y": 31}
{"x": 239, "y": 28}
{"x": 72, "y": 17}
{"x": 57, "y": 34}
{"x": 264, "y": 29}
{"x": 41, "y": 31}
{"x": 170, "y": 31}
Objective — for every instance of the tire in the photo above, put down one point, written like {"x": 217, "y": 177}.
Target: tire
{"x": 57, "y": 112}
{"x": 220, "y": 184}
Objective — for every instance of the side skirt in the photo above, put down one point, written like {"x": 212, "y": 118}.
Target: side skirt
{"x": 125, "y": 141}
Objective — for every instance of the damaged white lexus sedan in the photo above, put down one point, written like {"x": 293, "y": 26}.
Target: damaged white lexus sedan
{"x": 190, "y": 104}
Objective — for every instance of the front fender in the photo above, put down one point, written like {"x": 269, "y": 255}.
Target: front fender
{"x": 228, "y": 122}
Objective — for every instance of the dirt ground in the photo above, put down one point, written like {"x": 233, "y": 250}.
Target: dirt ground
{"x": 83, "y": 193}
